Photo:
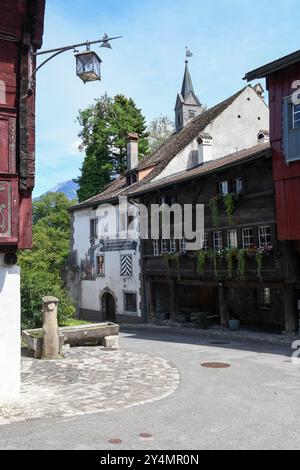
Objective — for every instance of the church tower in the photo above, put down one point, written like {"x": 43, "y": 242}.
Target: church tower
{"x": 187, "y": 105}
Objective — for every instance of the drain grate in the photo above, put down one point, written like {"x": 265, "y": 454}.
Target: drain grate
{"x": 115, "y": 441}
{"x": 216, "y": 365}
{"x": 145, "y": 435}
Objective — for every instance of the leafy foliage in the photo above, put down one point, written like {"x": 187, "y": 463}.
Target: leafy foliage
{"x": 214, "y": 209}
{"x": 105, "y": 126}
{"x": 201, "y": 261}
{"x": 41, "y": 266}
{"x": 229, "y": 206}
{"x": 160, "y": 129}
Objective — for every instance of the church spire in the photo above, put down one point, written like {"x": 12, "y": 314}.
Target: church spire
{"x": 187, "y": 105}
{"x": 187, "y": 84}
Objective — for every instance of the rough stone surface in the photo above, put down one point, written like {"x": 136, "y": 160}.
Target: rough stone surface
{"x": 50, "y": 328}
{"x": 90, "y": 380}
{"x": 111, "y": 342}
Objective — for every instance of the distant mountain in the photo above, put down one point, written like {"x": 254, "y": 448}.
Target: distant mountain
{"x": 68, "y": 188}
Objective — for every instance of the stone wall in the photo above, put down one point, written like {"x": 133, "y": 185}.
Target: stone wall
{"x": 242, "y": 303}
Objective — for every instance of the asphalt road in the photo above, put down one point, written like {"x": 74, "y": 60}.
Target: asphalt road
{"x": 254, "y": 404}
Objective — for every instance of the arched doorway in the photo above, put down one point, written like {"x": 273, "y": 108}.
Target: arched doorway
{"x": 108, "y": 307}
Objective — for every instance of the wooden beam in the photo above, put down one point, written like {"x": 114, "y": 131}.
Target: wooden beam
{"x": 290, "y": 309}
{"x": 223, "y": 305}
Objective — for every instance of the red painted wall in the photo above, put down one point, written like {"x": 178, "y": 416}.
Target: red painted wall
{"x": 286, "y": 177}
{"x": 21, "y": 28}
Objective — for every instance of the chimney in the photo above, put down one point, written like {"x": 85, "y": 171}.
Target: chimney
{"x": 204, "y": 148}
{"x": 259, "y": 90}
{"x": 132, "y": 151}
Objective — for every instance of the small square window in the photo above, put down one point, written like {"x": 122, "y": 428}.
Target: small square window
{"x": 264, "y": 298}
{"x": 130, "y": 303}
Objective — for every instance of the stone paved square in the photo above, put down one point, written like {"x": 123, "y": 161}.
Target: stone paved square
{"x": 250, "y": 405}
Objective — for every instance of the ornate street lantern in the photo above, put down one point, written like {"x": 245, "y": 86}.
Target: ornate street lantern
{"x": 88, "y": 65}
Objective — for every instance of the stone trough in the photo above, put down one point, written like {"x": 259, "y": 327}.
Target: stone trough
{"x": 94, "y": 333}
{"x": 105, "y": 334}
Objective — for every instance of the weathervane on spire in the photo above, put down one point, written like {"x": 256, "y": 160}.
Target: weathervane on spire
{"x": 188, "y": 54}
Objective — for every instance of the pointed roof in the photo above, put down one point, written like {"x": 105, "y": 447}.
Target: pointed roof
{"x": 160, "y": 158}
{"x": 187, "y": 84}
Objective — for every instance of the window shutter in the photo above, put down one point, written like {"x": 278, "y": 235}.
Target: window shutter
{"x": 291, "y": 137}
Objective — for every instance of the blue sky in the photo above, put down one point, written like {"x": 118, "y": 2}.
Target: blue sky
{"x": 228, "y": 38}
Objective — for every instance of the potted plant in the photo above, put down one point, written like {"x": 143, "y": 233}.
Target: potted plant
{"x": 234, "y": 324}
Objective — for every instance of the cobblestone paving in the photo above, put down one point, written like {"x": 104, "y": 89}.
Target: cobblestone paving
{"x": 90, "y": 380}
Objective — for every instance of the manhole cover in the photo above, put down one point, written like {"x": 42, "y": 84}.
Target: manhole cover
{"x": 115, "y": 441}
{"x": 216, "y": 365}
{"x": 145, "y": 435}
{"x": 219, "y": 342}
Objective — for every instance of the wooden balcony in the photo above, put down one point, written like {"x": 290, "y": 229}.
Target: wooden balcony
{"x": 186, "y": 267}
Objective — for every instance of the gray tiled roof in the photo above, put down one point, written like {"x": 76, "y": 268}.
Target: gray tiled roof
{"x": 274, "y": 66}
{"x": 164, "y": 154}
{"x": 119, "y": 188}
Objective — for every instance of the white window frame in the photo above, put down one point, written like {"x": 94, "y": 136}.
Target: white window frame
{"x": 173, "y": 247}
{"x": 218, "y": 241}
{"x": 263, "y": 235}
{"x": 205, "y": 241}
{"x": 264, "y": 298}
{"x": 165, "y": 245}
{"x": 246, "y": 237}
{"x": 155, "y": 246}
{"x": 231, "y": 245}
{"x": 182, "y": 245}
{"x": 296, "y": 116}
{"x": 223, "y": 187}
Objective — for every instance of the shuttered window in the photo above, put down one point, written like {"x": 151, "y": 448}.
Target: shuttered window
{"x": 291, "y": 130}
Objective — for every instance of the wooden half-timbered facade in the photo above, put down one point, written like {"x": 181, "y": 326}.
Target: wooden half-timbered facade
{"x": 21, "y": 30}
{"x": 242, "y": 271}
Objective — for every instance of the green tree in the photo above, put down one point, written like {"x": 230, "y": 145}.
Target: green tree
{"x": 41, "y": 267}
{"x": 160, "y": 129}
{"x": 105, "y": 126}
